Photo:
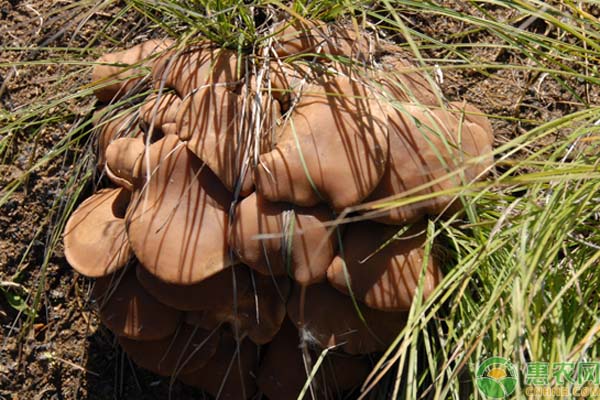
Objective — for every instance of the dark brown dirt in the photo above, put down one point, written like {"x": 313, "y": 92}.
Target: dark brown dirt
{"x": 64, "y": 353}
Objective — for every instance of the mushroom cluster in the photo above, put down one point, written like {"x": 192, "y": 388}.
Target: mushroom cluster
{"x": 215, "y": 247}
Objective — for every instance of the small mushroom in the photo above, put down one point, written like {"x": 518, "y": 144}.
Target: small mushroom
{"x": 196, "y": 67}
{"x": 121, "y": 156}
{"x": 427, "y": 148}
{"x": 185, "y": 351}
{"x": 282, "y": 372}
{"x": 304, "y": 247}
{"x": 120, "y": 69}
{"x": 333, "y": 147}
{"x": 95, "y": 240}
{"x": 159, "y": 110}
{"x": 110, "y": 127}
{"x": 229, "y": 374}
{"x": 128, "y": 310}
{"x": 383, "y": 270}
{"x": 331, "y": 319}
{"x": 177, "y": 220}
{"x": 209, "y": 294}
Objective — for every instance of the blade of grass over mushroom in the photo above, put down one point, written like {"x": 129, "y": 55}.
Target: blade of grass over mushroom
{"x": 313, "y": 373}
{"x": 351, "y": 294}
{"x": 412, "y": 365}
{"x": 303, "y": 161}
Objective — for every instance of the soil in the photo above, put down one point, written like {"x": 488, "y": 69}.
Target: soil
{"x": 64, "y": 353}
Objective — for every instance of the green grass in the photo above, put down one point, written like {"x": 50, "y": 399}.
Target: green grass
{"x": 522, "y": 278}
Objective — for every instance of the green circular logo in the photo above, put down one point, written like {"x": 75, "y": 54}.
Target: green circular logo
{"x": 497, "y": 378}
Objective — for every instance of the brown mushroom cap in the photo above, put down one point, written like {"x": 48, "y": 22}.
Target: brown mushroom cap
{"x": 343, "y": 372}
{"x": 210, "y": 123}
{"x": 215, "y": 121}
{"x": 286, "y": 82}
{"x": 123, "y": 78}
{"x": 256, "y": 311}
{"x": 400, "y": 81}
{"x": 229, "y": 373}
{"x": 178, "y": 215}
{"x": 169, "y": 128}
{"x": 159, "y": 109}
{"x": 268, "y": 308}
{"x": 121, "y": 156}
{"x": 128, "y": 310}
{"x": 330, "y": 319}
{"x": 427, "y": 150}
{"x": 383, "y": 272}
{"x": 317, "y": 37}
{"x": 209, "y": 294}
{"x": 95, "y": 240}
{"x": 195, "y": 68}
{"x": 282, "y": 373}
{"x": 475, "y": 116}
{"x": 310, "y": 248}
{"x": 186, "y": 350}
{"x": 204, "y": 319}
{"x": 110, "y": 127}
{"x": 333, "y": 148}
{"x": 395, "y": 72}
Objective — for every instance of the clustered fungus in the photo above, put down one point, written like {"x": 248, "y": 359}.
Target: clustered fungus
{"x": 217, "y": 256}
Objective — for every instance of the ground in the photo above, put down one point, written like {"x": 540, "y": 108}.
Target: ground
{"x": 67, "y": 354}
